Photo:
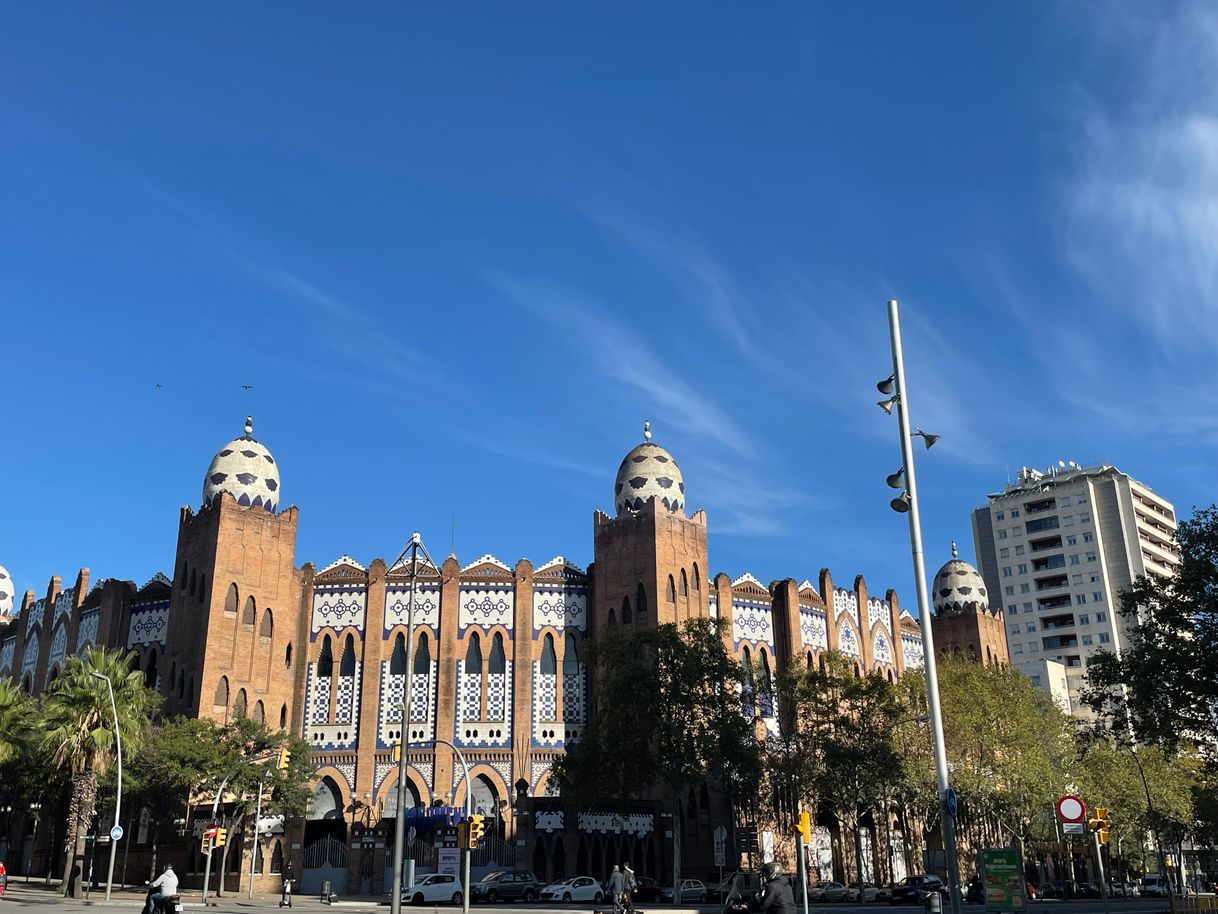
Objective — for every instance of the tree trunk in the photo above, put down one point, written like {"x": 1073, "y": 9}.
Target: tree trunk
{"x": 80, "y": 813}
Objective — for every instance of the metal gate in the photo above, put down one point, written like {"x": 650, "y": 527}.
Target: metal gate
{"x": 325, "y": 860}
{"x": 421, "y": 850}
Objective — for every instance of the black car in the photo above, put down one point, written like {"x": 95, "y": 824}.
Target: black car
{"x": 916, "y": 889}
{"x": 647, "y": 889}
{"x": 506, "y": 885}
{"x": 974, "y": 892}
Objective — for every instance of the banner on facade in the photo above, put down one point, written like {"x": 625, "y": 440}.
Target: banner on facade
{"x": 1003, "y": 879}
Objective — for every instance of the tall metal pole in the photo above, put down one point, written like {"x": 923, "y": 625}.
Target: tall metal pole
{"x": 254, "y": 849}
{"x": 928, "y": 641}
{"x": 469, "y": 809}
{"x": 215, "y": 806}
{"x": 118, "y": 793}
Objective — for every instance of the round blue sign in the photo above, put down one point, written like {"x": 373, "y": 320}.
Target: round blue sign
{"x": 116, "y": 833}
{"x": 951, "y": 801}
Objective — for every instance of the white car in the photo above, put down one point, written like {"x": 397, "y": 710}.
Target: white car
{"x": 692, "y": 890}
{"x": 852, "y": 892}
{"x": 434, "y": 888}
{"x": 577, "y": 888}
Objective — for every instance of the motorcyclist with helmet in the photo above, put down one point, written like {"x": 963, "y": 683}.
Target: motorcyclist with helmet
{"x": 775, "y": 898}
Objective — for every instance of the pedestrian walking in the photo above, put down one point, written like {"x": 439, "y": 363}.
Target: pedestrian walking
{"x": 285, "y": 899}
{"x": 631, "y": 883}
{"x": 617, "y": 885}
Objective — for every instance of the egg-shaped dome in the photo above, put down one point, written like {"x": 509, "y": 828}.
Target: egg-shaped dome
{"x": 646, "y": 471}
{"x": 7, "y": 593}
{"x": 957, "y": 585}
{"x": 244, "y": 469}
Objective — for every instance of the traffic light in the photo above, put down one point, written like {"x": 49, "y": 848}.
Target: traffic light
{"x": 221, "y": 836}
{"x": 397, "y": 752}
{"x": 804, "y": 827}
{"x": 1100, "y": 824}
{"x": 285, "y": 756}
{"x": 463, "y": 834}
{"x": 477, "y": 827}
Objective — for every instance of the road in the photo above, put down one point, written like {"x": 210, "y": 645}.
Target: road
{"x": 48, "y": 901}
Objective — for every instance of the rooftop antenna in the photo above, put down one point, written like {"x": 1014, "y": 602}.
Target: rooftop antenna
{"x": 453, "y": 539}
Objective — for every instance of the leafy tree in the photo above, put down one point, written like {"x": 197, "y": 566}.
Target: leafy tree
{"x": 838, "y": 749}
{"x": 1163, "y": 686}
{"x": 80, "y": 733}
{"x": 668, "y": 718}
{"x": 17, "y": 721}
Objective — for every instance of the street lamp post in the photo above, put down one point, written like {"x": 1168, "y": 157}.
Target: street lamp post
{"x": 36, "y": 810}
{"x": 469, "y": 809}
{"x": 908, "y": 503}
{"x": 118, "y": 793}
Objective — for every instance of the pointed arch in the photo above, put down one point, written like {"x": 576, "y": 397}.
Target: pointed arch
{"x": 671, "y": 593}
{"x": 183, "y": 576}
{"x": 239, "y": 706}
{"x": 231, "y": 599}
{"x": 397, "y": 660}
{"x": 202, "y": 588}
{"x": 221, "y": 700}
{"x": 277, "y": 859}
{"x": 267, "y": 629}
{"x": 570, "y": 656}
{"x": 287, "y": 656}
{"x": 697, "y": 578}
{"x": 766, "y": 686}
{"x": 473, "y": 654}
{"x": 283, "y": 717}
{"x": 498, "y": 661}
{"x": 250, "y": 616}
{"x": 150, "y": 672}
{"x": 640, "y": 601}
{"x": 684, "y": 584}
{"x": 612, "y": 619}
{"x": 325, "y": 660}
{"x": 627, "y": 618}
{"x": 193, "y": 583}
{"x": 181, "y": 684}
{"x": 549, "y": 662}
{"x": 259, "y": 712}
{"x": 422, "y": 656}
{"x": 346, "y": 666}
{"x": 746, "y": 682}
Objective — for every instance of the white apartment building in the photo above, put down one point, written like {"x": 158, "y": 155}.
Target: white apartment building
{"x": 1056, "y": 549}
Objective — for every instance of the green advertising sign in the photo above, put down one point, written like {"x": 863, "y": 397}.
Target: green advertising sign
{"x": 1003, "y": 879}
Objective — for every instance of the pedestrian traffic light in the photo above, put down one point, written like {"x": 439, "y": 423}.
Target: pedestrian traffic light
{"x": 285, "y": 756}
{"x": 463, "y": 835}
{"x": 221, "y": 836}
{"x": 477, "y": 827}
{"x": 804, "y": 827}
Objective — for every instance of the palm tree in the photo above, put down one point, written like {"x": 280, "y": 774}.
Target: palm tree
{"x": 16, "y": 720}
{"x": 79, "y": 731}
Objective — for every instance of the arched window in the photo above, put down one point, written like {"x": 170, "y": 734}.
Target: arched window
{"x": 259, "y": 713}
{"x": 250, "y": 616}
{"x": 473, "y": 655}
{"x": 268, "y": 625}
{"x": 570, "y": 657}
{"x": 173, "y": 674}
{"x": 150, "y": 673}
{"x": 627, "y": 618}
{"x": 287, "y": 656}
{"x": 497, "y": 664}
{"x": 202, "y": 587}
{"x": 221, "y": 693}
{"x": 231, "y": 599}
{"x": 549, "y": 663}
{"x": 397, "y": 661}
{"x": 346, "y": 666}
{"x": 190, "y": 693}
{"x": 767, "y": 686}
{"x": 193, "y": 583}
{"x": 181, "y": 685}
{"x": 697, "y": 578}
{"x": 684, "y": 584}
{"x": 325, "y": 661}
{"x": 810, "y": 661}
{"x": 746, "y": 682}
{"x": 183, "y": 578}
{"x": 858, "y": 673}
{"x": 612, "y": 620}
{"x": 283, "y": 717}
{"x": 422, "y": 656}
{"x": 277, "y": 859}
{"x": 671, "y": 592}
{"x": 640, "y": 601}
{"x": 239, "y": 704}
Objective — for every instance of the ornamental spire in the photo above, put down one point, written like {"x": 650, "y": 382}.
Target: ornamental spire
{"x": 955, "y": 553}
{"x": 249, "y": 426}
{"x": 647, "y": 430}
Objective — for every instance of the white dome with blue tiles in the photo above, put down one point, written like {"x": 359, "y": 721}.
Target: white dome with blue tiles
{"x": 957, "y": 585}
{"x": 7, "y": 593}
{"x": 245, "y": 469}
{"x": 646, "y": 471}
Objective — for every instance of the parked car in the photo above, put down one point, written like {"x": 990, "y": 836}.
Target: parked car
{"x": 692, "y": 890}
{"x": 1122, "y": 890}
{"x": 577, "y": 888}
{"x": 852, "y": 892}
{"x": 885, "y": 893}
{"x": 506, "y": 885}
{"x": 1088, "y": 890}
{"x": 827, "y": 891}
{"x": 435, "y": 888}
{"x": 646, "y": 890}
{"x": 1156, "y": 885}
{"x": 916, "y": 889}
{"x": 746, "y": 884}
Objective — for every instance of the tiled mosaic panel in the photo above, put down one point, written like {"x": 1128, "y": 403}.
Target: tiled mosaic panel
{"x": 148, "y": 624}
{"x": 813, "y": 629}
{"x": 878, "y": 611}
{"x": 882, "y": 649}
{"x": 752, "y": 621}
{"x": 847, "y": 640}
{"x": 495, "y": 697}
{"x": 338, "y": 607}
{"x": 846, "y": 601}
{"x": 911, "y": 650}
{"x": 487, "y": 606}
{"x": 319, "y": 697}
{"x": 560, "y": 607}
{"x": 7, "y": 650}
{"x": 346, "y": 707}
{"x": 64, "y": 603}
{"x": 30, "y": 658}
{"x": 469, "y": 699}
{"x": 389, "y": 717}
{"x": 86, "y": 632}
{"x": 574, "y": 695}
{"x": 426, "y": 607}
{"x": 35, "y": 614}
{"x": 59, "y": 645}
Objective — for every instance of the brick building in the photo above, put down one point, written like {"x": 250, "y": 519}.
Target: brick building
{"x": 497, "y": 671}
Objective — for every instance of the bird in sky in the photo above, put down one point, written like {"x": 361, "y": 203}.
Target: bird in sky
{"x": 247, "y": 386}
{"x": 160, "y": 386}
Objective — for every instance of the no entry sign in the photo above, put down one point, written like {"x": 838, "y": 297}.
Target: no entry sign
{"x": 1071, "y": 809}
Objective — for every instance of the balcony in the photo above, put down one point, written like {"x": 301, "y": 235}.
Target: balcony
{"x": 1043, "y": 523}
{"x": 1035, "y": 507}
{"x": 1055, "y": 642}
{"x": 1052, "y": 583}
{"x": 1065, "y": 620}
{"x": 1052, "y": 542}
{"x": 1052, "y": 561}
{"x": 1054, "y": 602}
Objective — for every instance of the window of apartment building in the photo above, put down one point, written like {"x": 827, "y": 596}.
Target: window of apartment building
{"x": 1010, "y": 590}
{"x": 1076, "y": 579}
{"x": 1002, "y": 534}
{"x": 1088, "y": 537}
{"x": 1015, "y": 629}
{"x": 1082, "y": 500}
{"x": 1006, "y": 571}
{"x": 1063, "y": 501}
{"x": 1002, "y": 515}
{"x": 1033, "y": 648}
{"x": 1036, "y": 682}
{"x": 1019, "y": 550}
{"x": 1027, "y": 607}
{"x": 1084, "y": 619}
{"x": 1018, "y": 649}
{"x": 1029, "y": 626}
{"x": 1004, "y": 553}
{"x": 1023, "y": 569}
{"x": 1071, "y": 540}
{"x": 1084, "y": 518}
{"x": 1074, "y": 559}
{"x": 1017, "y": 531}
{"x": 1025, "y": 588}
{"x": 1068, "y": 520}
{"x": 1104, "y": 638}
{"x": 1080, "y": 599}
{"x": 1087, "y": 639}
{"x": 1093, "y": 578}
{"x": 1091, "y": 557}
{"x": 1014, "y": 513}
{"x": 1101, "y": 616}
{"x": 1097, "y": 597}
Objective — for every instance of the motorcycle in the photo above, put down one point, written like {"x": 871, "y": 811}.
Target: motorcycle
{"x": 170, "y": 904}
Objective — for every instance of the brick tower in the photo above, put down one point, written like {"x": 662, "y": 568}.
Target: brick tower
{"x": 236, "y": 629}
{"x": 963, "y": 623}
{"x": 650, "y": 560}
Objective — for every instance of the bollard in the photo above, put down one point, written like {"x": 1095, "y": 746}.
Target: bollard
{"x": 325, "y": 891}
{"x": 934, "y": 903}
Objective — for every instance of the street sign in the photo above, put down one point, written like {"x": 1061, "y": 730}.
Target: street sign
{"x": 116, "y": 833}
{"x": 1071, "y": 809}
{"x": 1073, "y": 828}
{"x": 720, "y": 846}
{"x": 952, "y": 803}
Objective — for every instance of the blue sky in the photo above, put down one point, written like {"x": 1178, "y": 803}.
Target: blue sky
{"x": 462, "y": 250}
